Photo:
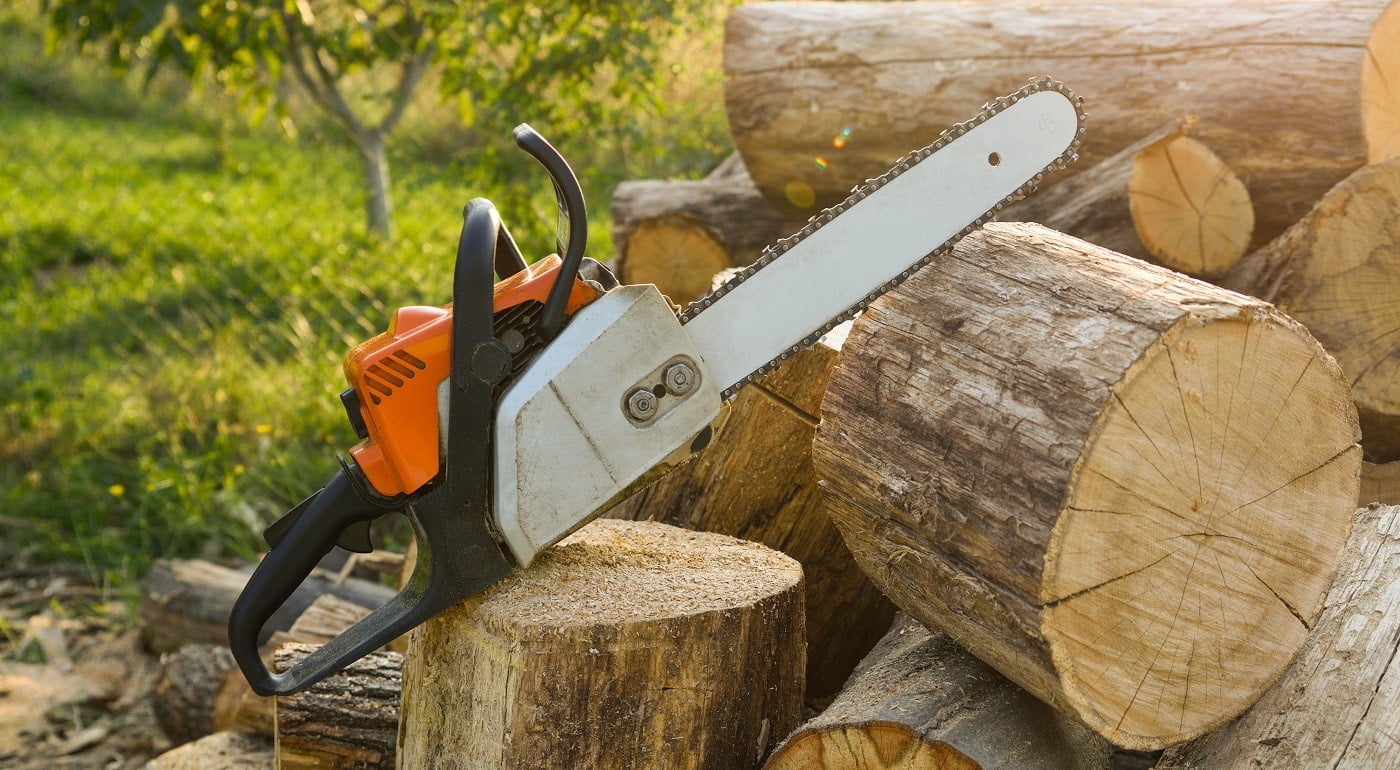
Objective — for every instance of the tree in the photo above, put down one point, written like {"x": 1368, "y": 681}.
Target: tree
{"x": 553, "y": 56}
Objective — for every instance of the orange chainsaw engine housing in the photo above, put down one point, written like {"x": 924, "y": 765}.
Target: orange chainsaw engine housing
{"x": 396, "y": 375}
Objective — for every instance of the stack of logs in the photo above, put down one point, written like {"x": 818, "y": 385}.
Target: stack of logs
{"x": 1115, "y": 501}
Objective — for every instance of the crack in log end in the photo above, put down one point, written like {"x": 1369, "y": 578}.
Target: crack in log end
{"x": 1178, "y": 586}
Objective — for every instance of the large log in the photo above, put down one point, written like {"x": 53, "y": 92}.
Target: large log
{"x": 349, "y": 720}
{"x": 220, "y": 751}
{"x": 1380, "y": 483}
{"x": 1338, "y": 272}
{"x": 1123, "y": 488}
{"x": 1165, "y": 198}
{"x": 918, "y": 700}
{"x": 1338, "y": 706}
{"x": 185, "y": 602}
{"x": 756, "y": 482}
{"x": 628, "y": 645}
{"x": 823, "y": 95}
{"x": 677, "y": 234}
{"x": 1380, "y": 87}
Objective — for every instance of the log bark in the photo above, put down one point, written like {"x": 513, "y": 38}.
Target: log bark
{"x": 1380, "y": 87}
{"x": 1339, "y": 704}
{"x": 185, "y": 602}
{"x": 756, "y": 482}
{"x": 220, "y": 751}
{"x": 349, "y": 720}
{"x": 821, "y": 96}
{"x": 1124, "y": 489}
{"x": 918, "y": 700}
{"x": 678, "y": 234}
{"x": 1338, "y": 272}
{"x": 630, "y": 644}
{"x": 1380, "y": 483}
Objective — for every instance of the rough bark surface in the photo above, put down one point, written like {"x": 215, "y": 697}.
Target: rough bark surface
{"x": 1338, "y": 706}
{"x": 1338, "y": 272}
{"x": 1090, "y": 472}
{"x": 628, "y": 645}
{"x": 821, "y": 96}
{"x": 956, "y": 710}
{"x": 677, "y": 234}
{"x": 756, "y": 482}
{"x": 349, "y": 720}
{"x": 186, "y": 692}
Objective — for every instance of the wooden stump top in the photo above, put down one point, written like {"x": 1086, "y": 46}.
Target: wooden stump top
{"x": 618, "y": 572}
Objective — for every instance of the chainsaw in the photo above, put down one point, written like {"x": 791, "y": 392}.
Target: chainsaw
{"x": 508, "y": 419}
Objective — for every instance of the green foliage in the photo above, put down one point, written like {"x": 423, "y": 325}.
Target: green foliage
{"x": 176, "y": 297}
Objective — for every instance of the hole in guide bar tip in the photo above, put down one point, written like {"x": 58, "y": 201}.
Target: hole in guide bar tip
{"x": 994, "y": 159}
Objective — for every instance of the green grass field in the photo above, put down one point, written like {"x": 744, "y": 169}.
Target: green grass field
{"x": 176, "y": 299}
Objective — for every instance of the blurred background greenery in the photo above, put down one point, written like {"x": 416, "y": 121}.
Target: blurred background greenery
{"x": 185, "y": 253}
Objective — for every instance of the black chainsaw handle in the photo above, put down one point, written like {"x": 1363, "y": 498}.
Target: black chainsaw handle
{"x": 458, "y": 555}
{"x": 570, "y": 195}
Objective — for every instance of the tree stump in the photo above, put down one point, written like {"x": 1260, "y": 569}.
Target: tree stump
{"x": 1125, "y": 489}
{"x": 822, "y": 95}
{"x": 755, "y": 481}
{"x": 1338, "y": 706}
{"x": 628, "y": 645}
{"x": 1338, "y": 272}
{"x": 918, "y": 700}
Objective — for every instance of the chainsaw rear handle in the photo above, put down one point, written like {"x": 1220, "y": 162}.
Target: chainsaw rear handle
{"x": 570, "y": 195}
{"x": 458, "y": 555}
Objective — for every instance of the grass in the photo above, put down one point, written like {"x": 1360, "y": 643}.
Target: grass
{"x": 176, "y": 298}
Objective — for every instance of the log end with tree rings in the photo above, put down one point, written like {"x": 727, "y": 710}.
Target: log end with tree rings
{"x": 1380, "y": 87}
{"x": 1123, "y": 488}
{"x": 1190, "y": 210}
{"x": 677, "y": 253}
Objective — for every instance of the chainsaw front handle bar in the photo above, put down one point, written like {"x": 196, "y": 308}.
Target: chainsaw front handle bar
{"x": 457, "y": 554}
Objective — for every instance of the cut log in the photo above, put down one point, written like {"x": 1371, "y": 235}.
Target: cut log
{"x": 1380, "y": 87}
{"x": 1338, "y": 272}
{"x": 1380, "y": 483}
{"x": 349, "y": 720}
{"x": 678, "y": 234}
{"x": 1166, "y": 198}
{"x": 756, "y": 482}
{"x": 1189, "y": 209}
{"x": 630, "y": 644}
{"x": 1123, "y": 488}
{"x": 185, "y": 602}
{"x": 821, "y": 96}
{"x": 1338, "y": 706}
{"x": 220, "y": 751}
{"x": 921, "y": 701}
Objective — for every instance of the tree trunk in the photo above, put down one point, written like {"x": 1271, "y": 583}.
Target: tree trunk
{"x": 350, "y": 720}
{"x": 1123, "y": 488}
{"x": 821, "y": 96}
{"x": 921, "y": 701}
{"x": 628, "y": 645}
{"x": 678, "y": 234}
{"x": 1338, "y": 705}
{"x": 1338, "y": 272}
{"x": 756, "y": 482}
{"x": 374, "y": 162}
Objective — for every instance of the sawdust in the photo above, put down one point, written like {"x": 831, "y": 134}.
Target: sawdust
{"x": 615, "y": 571}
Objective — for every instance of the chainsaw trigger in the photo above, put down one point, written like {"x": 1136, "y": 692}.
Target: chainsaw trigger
{"x": 274, "y": 532}
{"x": 356, "y": 538}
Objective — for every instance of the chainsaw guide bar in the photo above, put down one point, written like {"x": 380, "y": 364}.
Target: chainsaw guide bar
{"x": 724, "y": 330}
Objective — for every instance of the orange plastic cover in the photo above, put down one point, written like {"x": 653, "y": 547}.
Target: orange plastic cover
{"x": 396, "y": 375}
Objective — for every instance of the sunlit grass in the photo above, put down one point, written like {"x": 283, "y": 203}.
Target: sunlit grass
{"x": 176, "y": 298}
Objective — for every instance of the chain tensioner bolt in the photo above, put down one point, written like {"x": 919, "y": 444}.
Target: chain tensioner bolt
{"x": 641, "y": 404}
{"x": 679, "y": 378}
